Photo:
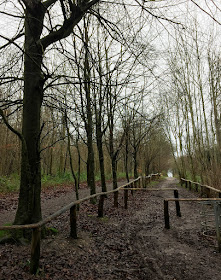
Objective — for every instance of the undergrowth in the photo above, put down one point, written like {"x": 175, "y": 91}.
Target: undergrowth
{"x": 11, "y": 183}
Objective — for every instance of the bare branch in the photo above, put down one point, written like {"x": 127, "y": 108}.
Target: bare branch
{"x": 12, "y": 41}
{"x": 20, "y": 136}
{"x": 66, "y": 29}
{"x": 206, "y": 12}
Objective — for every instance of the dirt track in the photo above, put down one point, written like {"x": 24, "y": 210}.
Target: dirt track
{"x": 128, "y": 244}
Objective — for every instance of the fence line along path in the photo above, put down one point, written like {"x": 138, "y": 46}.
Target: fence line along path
{"x": 137, "y": 184}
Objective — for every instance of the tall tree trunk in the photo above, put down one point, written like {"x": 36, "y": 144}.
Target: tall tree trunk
{"x": 29, "y": 206}
{"x": 89, "y": 122}
{"x": 135, "y": 164}
{"x": 101, "y": 158}
{"x": 114, "y": 176}
{"x": 76, "y": 181}
{"x": 127, "y": 155}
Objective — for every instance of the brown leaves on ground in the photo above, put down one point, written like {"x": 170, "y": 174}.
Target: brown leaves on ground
{"x": 126, "y": 244}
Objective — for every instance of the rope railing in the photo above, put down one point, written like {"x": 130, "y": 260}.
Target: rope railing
{"x": 178, "y": 200}
{"x": 204, "y": 189}
{"x": 137, "y": 184}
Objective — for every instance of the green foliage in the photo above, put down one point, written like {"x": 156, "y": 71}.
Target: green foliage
{"x": 4, "y": 233}
{"x": 162, "y": 177}
{"x": 56, "y": 179}
{"x": 51, "y": 231}
{"x": 189, "y": 177}
{"x": 61, "y": 178}
{"x": 153, "y": 183}
{"x": 9, "y": 183}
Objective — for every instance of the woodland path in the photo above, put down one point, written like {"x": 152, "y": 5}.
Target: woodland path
{"x": 128, "y": 244}
{"x": 52, "y": 199}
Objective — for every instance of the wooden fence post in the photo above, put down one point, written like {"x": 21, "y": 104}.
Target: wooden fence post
{"x": 145, "y": 181}
{"x": 202, "y": 190}
{"x": 35, "y": 250}
{"x": 132, "y": 186}
{"x": 177, "y": 203}
{"x": 125, "y": 198}
{"x": 166, "y": 214}
{"x": 186, "y": 184}
{"x": 101, "y": 206}
{"x": 196, "y": 187}
{"x": 116, "y": 199}
{"x": 73, "y": 222}
{"x": 207, "y": 192}
{"x": 190, "y": 186}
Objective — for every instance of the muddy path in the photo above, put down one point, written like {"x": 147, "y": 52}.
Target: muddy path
{"x": 126, "y": 244}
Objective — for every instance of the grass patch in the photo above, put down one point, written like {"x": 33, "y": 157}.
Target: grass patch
{"x": 11, "y": 183}
{"x": 153, "y": 183}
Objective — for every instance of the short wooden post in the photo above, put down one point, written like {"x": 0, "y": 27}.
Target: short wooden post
{"x": 166, "y": 214}
{"x": 125, "y": 198}
{"x": 196, "y": 187}
{"x": 202, "y": 190}
{"x": 139, "y": 182}
{"x": 145, "y": 179}
{"x": 217, "y": 212}
{"x": 101, "y": 206}
{"x": 116, "y": 199}
{"x": 132, "y": 186}
{"x": 219, "y": 194}
{"x": 177, "y": 203}
{"x": 207, "y": 192}
{"x": 186, "y": 184}
{"x": 35, "y": 250}
{"x": 73, "y": 222}
{"x": 190, "y": 186}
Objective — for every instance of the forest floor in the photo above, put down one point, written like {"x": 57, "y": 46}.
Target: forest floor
{"x": 127, "y": 244}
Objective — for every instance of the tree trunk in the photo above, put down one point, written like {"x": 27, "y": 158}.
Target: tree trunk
{"x": 29, "y": 206}
{"x": 135, "y": 165}
{"x": 76, "y": 182}
{"x": 100, "y": 154}
{"x": 89, "y": 122}
{"x": 127, "y": 156}
{"x": 114, "y": 176}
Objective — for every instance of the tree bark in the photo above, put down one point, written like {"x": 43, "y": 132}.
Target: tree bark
{"x": 89, "y": 122}
{"x": 101, "y": 160}
{"x": 29, "y": 206}
{"x": 135, "y": 164}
